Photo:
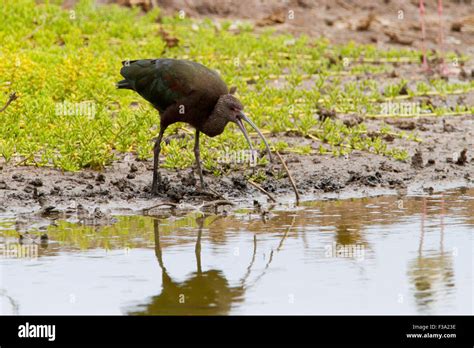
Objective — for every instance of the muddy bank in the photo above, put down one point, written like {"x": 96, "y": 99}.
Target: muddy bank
{"x": 386, "y": 24}
{"x": 383, "y": 23}
{"x": 436, "y": 163}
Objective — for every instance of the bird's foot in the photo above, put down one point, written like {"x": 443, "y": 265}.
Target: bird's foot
{"x": 154, "y": 191}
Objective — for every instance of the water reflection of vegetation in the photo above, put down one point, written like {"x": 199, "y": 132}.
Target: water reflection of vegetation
{"x": 347, "y": 218}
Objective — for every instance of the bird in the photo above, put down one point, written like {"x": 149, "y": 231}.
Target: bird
{"x": 444, "y": 69}
{"x": 185, "y": 91}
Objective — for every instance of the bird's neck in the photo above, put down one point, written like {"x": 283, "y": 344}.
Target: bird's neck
{"x": 214, "y": 125}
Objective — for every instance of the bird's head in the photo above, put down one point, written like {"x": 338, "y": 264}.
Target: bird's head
{"x": 229, "y": 107}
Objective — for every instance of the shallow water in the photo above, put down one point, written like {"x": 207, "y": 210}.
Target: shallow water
{"x": 383, "y": 255}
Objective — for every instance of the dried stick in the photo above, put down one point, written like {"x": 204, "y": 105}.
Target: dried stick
{"x": 174, "y": 205}
{"x": 181, "y": 205}
{"x": 217, "y": 203}
{"x": 261, "y": 189}
{"x": 11, "y": 98}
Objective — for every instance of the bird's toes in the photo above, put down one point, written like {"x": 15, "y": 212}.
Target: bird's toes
{"x": 154, "y": 192}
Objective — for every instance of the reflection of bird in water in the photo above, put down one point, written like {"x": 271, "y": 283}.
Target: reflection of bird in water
{"x": 203, "y": 293}
{"x": 430, "y": 273}
{"x": 185, "y": 91}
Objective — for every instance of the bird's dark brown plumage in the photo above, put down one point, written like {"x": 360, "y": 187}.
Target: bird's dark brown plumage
{"x": 171, "y": 84}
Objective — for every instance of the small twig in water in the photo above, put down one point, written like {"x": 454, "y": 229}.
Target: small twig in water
{"x": 11, "y": 98}
{"x": 190, "y": 206}
{"x": 261, "y": 189}
{"x": 217, "y": 203}
{"x": 290, "y": 177}
{"x": 217, "y": 194}
{"x": 174, "y": 205}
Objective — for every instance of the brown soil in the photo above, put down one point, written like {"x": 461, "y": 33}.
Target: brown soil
{"x": 363, "y": 21}
{"x": 393, "y": 23}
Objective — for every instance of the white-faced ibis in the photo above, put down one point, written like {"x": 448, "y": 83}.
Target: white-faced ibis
{"x": 185, "y": 91}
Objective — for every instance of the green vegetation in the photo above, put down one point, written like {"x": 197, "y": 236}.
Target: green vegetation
{"x": 53, "y": 58}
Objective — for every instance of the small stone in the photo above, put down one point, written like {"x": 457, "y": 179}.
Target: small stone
{"x": 352, "y": 120}
{"x": 448, "y": 128}
{"x": 239, "y": 183}
{"x": 462, "y": 159}
{"x": 18, "y": 177}
{"x": 100, "y": 177}
{"x": 121, "y": 184}
{"x": 87, "y": 175}
{"x": 189, "y": 180}
{"x": 48, "y": 210}
{"x": 417, "y": 160}
{"x": 324, "y": 113}
{"x": 405, "y": 125}
{"x": 430, "y": 190}
{"x": 36, "y": 182}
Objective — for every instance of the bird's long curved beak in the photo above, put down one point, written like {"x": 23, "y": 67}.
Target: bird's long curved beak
{"x": 242, "y": 128}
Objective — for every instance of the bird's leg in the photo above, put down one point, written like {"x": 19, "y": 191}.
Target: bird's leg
{"x": 156, "y": 159}
{"x": 444, "y": 68}
{"x": 197, "y": 155}
{"x": 423, "y": 35}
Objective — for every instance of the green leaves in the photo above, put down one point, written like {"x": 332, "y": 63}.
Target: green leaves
{"x": 51, "y": 56}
